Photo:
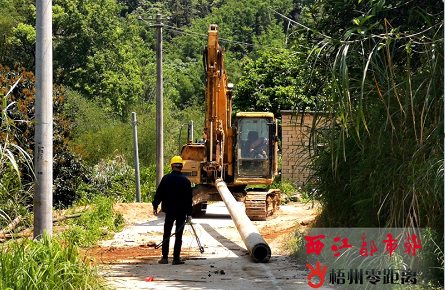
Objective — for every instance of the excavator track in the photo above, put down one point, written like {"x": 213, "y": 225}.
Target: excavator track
{"x": 261, "y": 204}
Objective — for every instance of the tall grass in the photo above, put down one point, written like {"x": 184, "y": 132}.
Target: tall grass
{"x": 98, "y": 221}
{"x": 46, "y": 264}
{"x": 386, "y": 149}
{"x": 383, "y": 166}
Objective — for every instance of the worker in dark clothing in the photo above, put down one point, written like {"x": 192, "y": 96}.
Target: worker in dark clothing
{"x": 175, "y": 193}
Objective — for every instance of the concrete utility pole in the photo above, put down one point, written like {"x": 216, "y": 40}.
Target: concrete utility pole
{"x": 43, "y": 152}
{"x": 136, "y": 158}
{"x": 159, "y": 102}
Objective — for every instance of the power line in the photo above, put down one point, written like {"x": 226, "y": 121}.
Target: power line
{"x": 382, "y": 36}
{"x": 221, "y": 39}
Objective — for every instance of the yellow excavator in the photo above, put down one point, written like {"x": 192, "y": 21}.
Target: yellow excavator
{"x": 241, "y": 153}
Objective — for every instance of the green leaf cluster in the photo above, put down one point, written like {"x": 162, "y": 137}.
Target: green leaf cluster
{"x": 17, "y": 33}
{"x": 277, "y": 80}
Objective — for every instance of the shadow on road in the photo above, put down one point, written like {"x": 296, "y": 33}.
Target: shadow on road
{"x": 222, "y": 239}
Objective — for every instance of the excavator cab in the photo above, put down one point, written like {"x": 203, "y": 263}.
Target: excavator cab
{"x": 255, "y": 146}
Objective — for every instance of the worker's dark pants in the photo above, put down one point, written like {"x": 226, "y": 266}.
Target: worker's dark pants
{"x": 168, "y": 225}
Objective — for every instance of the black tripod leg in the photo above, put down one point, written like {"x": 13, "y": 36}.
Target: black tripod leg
{"x": 201, "y": 248}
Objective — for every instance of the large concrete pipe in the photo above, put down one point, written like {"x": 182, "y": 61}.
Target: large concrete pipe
{"x": 256, "y": 245}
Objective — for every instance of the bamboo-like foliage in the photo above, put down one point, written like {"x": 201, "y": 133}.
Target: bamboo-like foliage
{"x": 384, "y": 163}
{"x": 12, "y": 158}
{"x": 387, "y": 103}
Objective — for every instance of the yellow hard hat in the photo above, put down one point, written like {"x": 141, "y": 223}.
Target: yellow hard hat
{"x": 176, "y": 159}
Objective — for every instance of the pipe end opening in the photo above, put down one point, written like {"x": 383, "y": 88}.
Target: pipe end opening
{"x": 261, "y": 253}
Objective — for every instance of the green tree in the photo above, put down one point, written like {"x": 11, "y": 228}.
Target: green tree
{"x": 99, "y": 53}
{"x": 17, "y": 33}
{"x": 183, "y": 11}
{"x": 239, "y": 26}
{"x": 277, "y": 80}
{"x": 243, "y": 29}
{"x": 128, "y": 6}
{"x": 184, "y": 82}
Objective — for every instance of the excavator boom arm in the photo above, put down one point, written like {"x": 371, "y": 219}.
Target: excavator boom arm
{"x": 218, "y": 131}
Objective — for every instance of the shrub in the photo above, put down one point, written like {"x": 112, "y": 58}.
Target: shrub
{"x": 97, "y": 222}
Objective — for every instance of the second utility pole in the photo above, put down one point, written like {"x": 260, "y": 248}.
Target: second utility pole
{"x": 159, "y": 103}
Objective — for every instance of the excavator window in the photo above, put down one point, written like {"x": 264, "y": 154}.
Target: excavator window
{"x": 253, "y": 147}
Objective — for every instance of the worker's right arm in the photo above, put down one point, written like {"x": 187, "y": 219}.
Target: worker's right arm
{"x": 158, "y": 197}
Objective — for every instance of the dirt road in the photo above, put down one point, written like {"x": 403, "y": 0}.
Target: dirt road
{"x": 130, "y": 258}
